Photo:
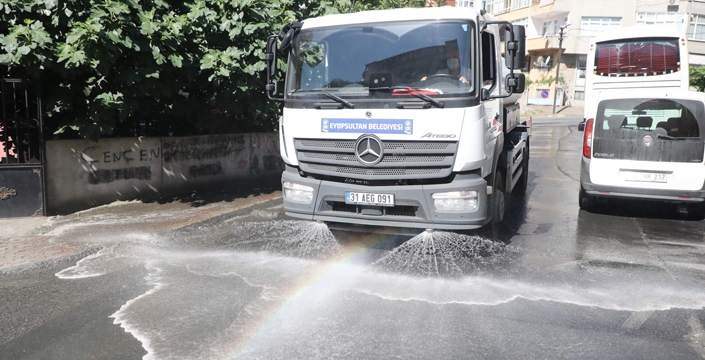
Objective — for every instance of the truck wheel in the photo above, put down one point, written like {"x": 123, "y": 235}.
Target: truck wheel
{"x": 586, "y": 202}
{"x": 499, "y": 199}
{"x": 523, "y": 183}
{"x": 696, "y": 211}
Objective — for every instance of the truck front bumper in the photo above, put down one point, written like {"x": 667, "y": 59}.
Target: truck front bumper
{"x": 413, "y": 204}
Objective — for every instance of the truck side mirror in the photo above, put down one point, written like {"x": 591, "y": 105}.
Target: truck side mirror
{"x": 516, "y": 47}
{"x": 484, "y": 94}
{"x": 581, "y": 126}
{"x": 287, "y": 33}
{"x": 286, "y": 40}
{"x": 515, "y": 83}
{"x": 271, "y": 57}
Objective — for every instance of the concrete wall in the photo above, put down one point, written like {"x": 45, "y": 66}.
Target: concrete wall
{"x": 82, "y": 173}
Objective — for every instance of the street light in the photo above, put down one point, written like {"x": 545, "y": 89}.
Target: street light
{"x": 558, "y": 64}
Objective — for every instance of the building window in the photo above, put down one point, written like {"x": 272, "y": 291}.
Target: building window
{"x": 549, "y": 28}
{"x": 697, "y": 27}
{"x": 523, "y": 21}
{"x": 465, "y": 3}
{"x": 579, "y": 95}
{"x": 518, "y": 4}
{"x": 580, "y": 70}
{"x": 592, "y": 26}
{"x": 675, "y": 20}
{"x": 497, "y": 6}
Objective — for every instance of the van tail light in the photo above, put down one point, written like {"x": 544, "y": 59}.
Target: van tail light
{"x": 587, "y": 139}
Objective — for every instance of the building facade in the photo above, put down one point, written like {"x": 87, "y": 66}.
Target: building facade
{"x": 581, "y": 20}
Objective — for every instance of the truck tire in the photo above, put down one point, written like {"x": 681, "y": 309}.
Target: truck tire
{"x": 586, "y": 202}
{"x": 523, "y": 183}
{"x": 499, "y": 200}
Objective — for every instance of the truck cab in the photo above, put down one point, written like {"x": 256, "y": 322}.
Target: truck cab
{"x": 396, "y": 118}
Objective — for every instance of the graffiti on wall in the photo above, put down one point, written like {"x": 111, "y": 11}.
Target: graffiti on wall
{"x": 206, "y": 170}
{"x": 203, "y": 148}
{"x": 266, "y": 148}
{"x": 108, "y": 176}
{"x": 92, "y": 157}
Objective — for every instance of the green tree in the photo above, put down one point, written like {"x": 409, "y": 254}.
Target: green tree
{"x": 124, "y": 67}
{"x": 364, "y": 5}
{"x": 153, "y": 67}
{"x": 697, "y": 77}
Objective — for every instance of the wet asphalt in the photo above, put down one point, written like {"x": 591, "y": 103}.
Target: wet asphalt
{"x": 625, "y": 282}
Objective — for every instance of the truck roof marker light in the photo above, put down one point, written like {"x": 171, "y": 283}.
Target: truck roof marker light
{"x": 684, "y": 197}
{"x": 587, "y": 139}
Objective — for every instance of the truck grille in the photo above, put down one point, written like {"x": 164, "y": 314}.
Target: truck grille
{"x": 401, "y": 160}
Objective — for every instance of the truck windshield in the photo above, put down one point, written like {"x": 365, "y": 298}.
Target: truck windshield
{"x": 383, "y": 60}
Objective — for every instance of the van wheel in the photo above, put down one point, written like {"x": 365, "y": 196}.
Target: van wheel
{"x": 586, "y": 202}
{"x": 523, "y": 183}
{"x": 696, "y": 211}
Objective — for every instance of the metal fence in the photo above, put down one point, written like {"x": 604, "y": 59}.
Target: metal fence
{"x": 21, "y": 150}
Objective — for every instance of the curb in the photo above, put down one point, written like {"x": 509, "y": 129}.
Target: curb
{"x": 16, "y": 269}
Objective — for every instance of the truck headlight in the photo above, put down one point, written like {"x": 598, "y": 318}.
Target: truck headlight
{"x": 455, "y": 201}
{"x": 298, "y": 193}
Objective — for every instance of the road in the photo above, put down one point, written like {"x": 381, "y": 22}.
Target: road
{"x": 623, "y": 283}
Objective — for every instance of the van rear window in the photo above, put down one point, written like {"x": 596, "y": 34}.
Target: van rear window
{"x": 650, "y": 130}
{"x": 637, "y": 57}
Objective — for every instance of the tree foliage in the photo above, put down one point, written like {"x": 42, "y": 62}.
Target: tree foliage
{"x": 153, "y": 67}
{"x": 697, "y": 77}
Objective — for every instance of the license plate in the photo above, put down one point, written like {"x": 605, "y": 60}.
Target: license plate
{"x": 645, "y": 176}
{"x": 358, "y": 198}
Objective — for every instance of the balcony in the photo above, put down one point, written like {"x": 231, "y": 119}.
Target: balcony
{"x": 542, "y": 43}
{"x": 544, "y": 8}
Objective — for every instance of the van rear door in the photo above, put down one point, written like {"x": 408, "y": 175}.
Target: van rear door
{"x": 652, "y": 143}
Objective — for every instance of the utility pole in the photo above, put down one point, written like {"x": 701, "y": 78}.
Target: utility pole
{"x": 558, "y": 65}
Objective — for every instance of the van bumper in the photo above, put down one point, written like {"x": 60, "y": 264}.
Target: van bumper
{"x": 668, "y": 195}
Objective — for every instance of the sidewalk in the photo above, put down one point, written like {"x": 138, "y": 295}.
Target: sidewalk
{"x": 33, "y": 241}
{"x": 540, "y": 111}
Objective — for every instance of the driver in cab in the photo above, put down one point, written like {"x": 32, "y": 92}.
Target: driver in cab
{"x": 462, "y": 73}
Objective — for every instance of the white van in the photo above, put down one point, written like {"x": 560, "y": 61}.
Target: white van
{"x": 645, "y": 144}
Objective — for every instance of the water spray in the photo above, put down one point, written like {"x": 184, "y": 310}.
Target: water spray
{"x": 440, "y": 253}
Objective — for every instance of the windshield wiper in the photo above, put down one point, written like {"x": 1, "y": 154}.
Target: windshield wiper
{"x": 345, "y": 103}
{"x": 414, "y": 92}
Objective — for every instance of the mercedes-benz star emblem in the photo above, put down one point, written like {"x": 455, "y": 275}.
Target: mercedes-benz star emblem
{"x": 368, "y": 114}
{"x": 369, "y": 150}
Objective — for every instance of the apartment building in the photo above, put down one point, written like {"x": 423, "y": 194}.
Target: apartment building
{"x": 581, "y": 20}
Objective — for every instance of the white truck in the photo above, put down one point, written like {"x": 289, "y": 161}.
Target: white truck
{"x": 399, "y": 119}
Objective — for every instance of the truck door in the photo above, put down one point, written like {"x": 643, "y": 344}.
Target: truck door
{"x": 489, "y": 79}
